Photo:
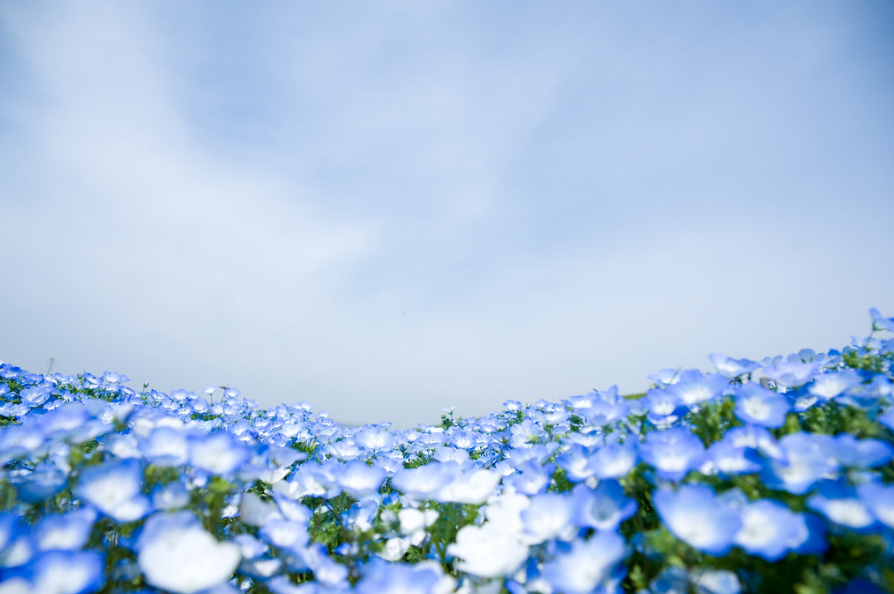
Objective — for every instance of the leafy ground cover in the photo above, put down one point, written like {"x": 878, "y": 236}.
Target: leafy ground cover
{"x": 766, "y": 476}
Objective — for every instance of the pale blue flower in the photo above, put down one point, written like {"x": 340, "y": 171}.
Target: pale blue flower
{"x": 732, "y": 368}
{"x": 359, "y": 480}
{"x": 673, "y": 453}
{"x": 549, "y": 516}
{"x": 217, "y": 453}
{"x": 604, "y": 507}
{"x": 695, "y": 515}
{"x": 66, "y": 532}
{"x": 585, "y": 564}
{"x": 115, "y": 489}
{"x": 758, "y": 406}
{"x": 614, "y": 460}
{"x": 790, "y": 374}
{"x": 843, "y": 506}
{"x": 768, "y": 529}
{"x": 803, "y": 460}
{"x": 66, "y": 572}
{"x": 175, "y": 553}
{"x": 694, "y": 387}
{"x": 879, "y": 500}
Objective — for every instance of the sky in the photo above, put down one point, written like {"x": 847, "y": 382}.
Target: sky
{"x": 389, "y": 208}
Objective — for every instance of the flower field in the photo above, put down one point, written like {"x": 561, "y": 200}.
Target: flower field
{"x": 766, "y": 476}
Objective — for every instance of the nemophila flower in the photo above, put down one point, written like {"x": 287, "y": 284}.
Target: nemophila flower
{"x": 758, "y": 406}
{"x": 165, "y": 447}
{"x": 374, "y": 439}
{"x": 694, "y": 387}
{"x": 325, "y": 570}
{"x": 676, "y": 580}
{"x": 881, "y": 323}
{"x": 604, "y": 507}
{"x": 359, "y": 480}
{"x": 114, "y": 488}
{"x": 663, "y": 408}
{"x": 842, "y": 505}
{"x": 548, "y": 516}
{"x": 665, "y": 377}
{"x": 732, "y": 368}
{"x": 829, "y": 385}
{"x": 879, "y": 500}
{"x": 695, "y": 515}
{"x": 414, "y": 520}
{"x": 790, "y": 374}
{"x": 176, "y": 554}
{"x": 486, "y": 551}
{"x": 60, "y": 422}
{"x": 306, "y": 480}
{"x": 752, "y": 436}
{"x": 17, "y": 441}
{"x": 531, "y": 479}
{"x": 673, "y": 452}
{"x": 867, "y": 453}
{"x": 614, "y": 460}
{"x": 887, "y": 418}
{"x": 170, "y": 497}
{"x": 472, "y": 487}
{"x": 803, "y": 459}
{"x": 731, "y": 460}
{"x": 585, "y": 564}
{"x": 344, "y": 450}
{"x": 66, "y": 532}
{"x": 575, "y": 462}
{"x": 388, "y": 578}
{"x": 65, "y": 572}
{"x": 35, "y": 396}
{"x": 522, "y": 434}
{"x": 217, "y": 453}
{"x": 285, "y": 534}
{"x": 768, "y": 529}
{"x": 43, "y": 482}
{"x": 292, "y": 510}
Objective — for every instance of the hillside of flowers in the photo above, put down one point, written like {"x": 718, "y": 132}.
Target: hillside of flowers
{"x": 764, "y": 476}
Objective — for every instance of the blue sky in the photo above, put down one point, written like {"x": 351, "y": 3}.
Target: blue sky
{"x": 389, "y": 208}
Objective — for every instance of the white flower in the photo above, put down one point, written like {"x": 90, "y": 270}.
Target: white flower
{"x": 487, "y": 551}
{"x": 183, "y": 558}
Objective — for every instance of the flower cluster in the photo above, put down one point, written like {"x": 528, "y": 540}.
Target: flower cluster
{"x": 766, "y": 476}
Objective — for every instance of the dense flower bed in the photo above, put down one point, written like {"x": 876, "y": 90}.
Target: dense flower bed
{"x": 771, "y": 476}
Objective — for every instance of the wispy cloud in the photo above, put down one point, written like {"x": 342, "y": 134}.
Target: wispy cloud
{"x": 402, "y": 207}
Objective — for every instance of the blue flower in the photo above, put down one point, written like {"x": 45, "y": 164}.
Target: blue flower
{"x": 694, "y": 387}
{"x": 732, "y": 460}
{"x": 790, "y": 374}
{"x": 359, "y": 480}
{"x": 67, "y": 532}
{"x": 175, "y": 553}
{"x": 585, "y": 564}
{"x": 695, "y": 515}
{"x": 758, "y": 406}
{"x": 768, "y": 529}
{"x": 881, "y": 323}
{"x": 604, "y": 507}
{"x": 843, "y": 506}
{"x": 66, "y": 572}
{"x": 879, "y": 500}
{"x": 114, "y": 488}
{"x": 673, "y": 453}
{"x": 867, "y": 453}
{"x": 217, "y": 453}
{"x": 614, "y": 460}
{"x": 803, "y": 460}
{"x": 732, "y": 368}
